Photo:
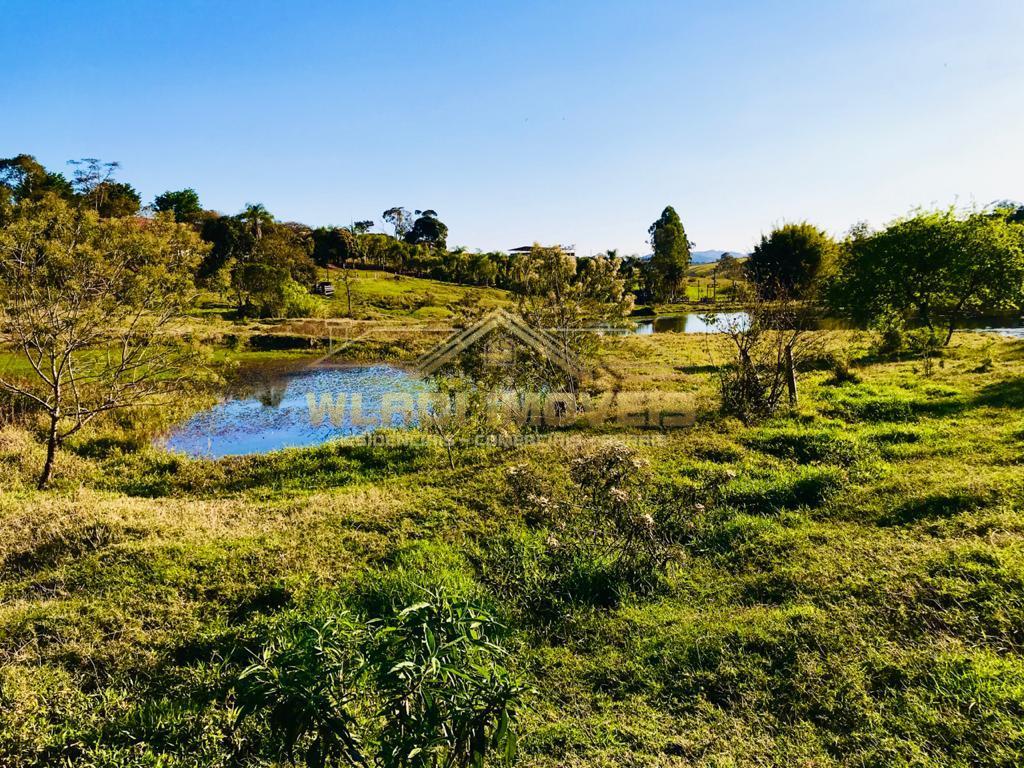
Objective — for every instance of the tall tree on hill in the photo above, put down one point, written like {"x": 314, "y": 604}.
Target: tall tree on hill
{"x": 93, "y": 181}
{"x": 671, "y": 257}
{"x": 788, "y": 261}
{"x": 256, "y": 219}
{"x": 184, "y": 204}
{"x": 23, "y": 178}
{"x": 90, "y": 179}
{"x": 400, "y": 218}
{"x": 114, "y": 199}
{"x": 428, "y": 230}
{"x": 334, "y": 246}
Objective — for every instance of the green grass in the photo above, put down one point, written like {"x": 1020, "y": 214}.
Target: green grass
{"x": 383, "y": 294}
{"x": 847, "y": 586}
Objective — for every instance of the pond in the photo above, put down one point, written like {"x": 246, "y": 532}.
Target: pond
{"x": 700, "y": 322}
{"x": 295, "y": 409}
{"x": 310, "y": 405}
{"x": 691, "y": 322}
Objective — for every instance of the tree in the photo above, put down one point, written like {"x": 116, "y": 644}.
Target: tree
{"x": 265, "y": 265}
{"x": 24, "y": 178}
{"x": 552, "y": 296}
{"x": 729, "y": 267}
{"x": 348, "y": 279}
{"x": 228, "y": 238}
{"x": 400, "y": 218}
{"x": 256, "y": 218}
{"x": 428, "y": 230}
{"x": 396, "y": 255}
{"x": 671, "y": 257}
{"x": 362, "y": 227}
{"x": 339, "y": 247}
{"x": 334, "y": 246}
{"x": 789, "y": 260}
{"x": 375, "y": 247}
{"x": 184, "y": 204}
{"x": 770, "y": 342}
{"x": 937, "y": 265}
{"x": 482, "y": 269}
{"x": 113, "y": 200}
{"x": 90, "y": 177}
{"x": 88, "y": 303}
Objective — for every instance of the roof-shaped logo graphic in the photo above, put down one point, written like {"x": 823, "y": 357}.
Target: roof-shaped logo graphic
{"x": 540, "y": 341}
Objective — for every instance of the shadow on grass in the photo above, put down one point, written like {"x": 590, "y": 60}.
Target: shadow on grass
{"x": 154, "y": 474}
{"x": 935, "y": 506}
{"x": 1002, "y": 394}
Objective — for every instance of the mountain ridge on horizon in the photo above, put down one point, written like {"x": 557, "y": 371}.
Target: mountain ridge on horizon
{"x": 705, "y": 257}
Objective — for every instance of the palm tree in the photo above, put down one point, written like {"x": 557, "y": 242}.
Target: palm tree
{"x": 256, "y": 216}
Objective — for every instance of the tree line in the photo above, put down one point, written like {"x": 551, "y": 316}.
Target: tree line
{"x": 91, "y": 294}
{"x": 932, "y": 269}
{"x": 266, "y": 265}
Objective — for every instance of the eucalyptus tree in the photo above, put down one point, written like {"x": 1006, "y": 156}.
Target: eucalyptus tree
{"x": 400, "y": 219}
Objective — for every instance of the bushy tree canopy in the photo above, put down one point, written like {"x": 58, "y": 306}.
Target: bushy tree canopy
{"x": 937, "y": 265}
{"x": 788, "y": 261}
{"x": 428, "y": 230}
{"x": 86, "y": 301}
{"x": 184, "y": 204}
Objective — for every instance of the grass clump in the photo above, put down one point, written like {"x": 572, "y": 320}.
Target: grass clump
{"x": 774, "y": 490}
{"x": 807, "y": 445}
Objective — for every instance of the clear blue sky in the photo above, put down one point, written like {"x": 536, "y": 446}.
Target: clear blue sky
{"x": 558, "y": 121}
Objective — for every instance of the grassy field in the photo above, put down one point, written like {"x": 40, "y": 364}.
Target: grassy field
{"x": 846, "y": 585}
{"x": 379, "y": 295}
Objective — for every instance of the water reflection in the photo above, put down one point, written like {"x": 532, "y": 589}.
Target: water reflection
{"x": 692, "y": 322}
{"x": 273, "y": 411}
{"x": 700, "y": 322}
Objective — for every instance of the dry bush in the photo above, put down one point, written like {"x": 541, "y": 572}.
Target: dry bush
{"x": 769, "y": 345}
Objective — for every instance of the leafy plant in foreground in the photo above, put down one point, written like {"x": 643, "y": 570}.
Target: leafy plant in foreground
{"x": 448, "y": 698}
{"x": 426, "y": 688}
{"x": 304, "y": 683}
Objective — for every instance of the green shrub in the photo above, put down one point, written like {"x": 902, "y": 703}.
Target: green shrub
{"x": 841, "y": 370}
{"x": 299, "y": 302}
{"x": 424, "y": 687}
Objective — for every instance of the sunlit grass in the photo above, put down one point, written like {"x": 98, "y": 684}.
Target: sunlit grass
{"x": 849, "y": 587}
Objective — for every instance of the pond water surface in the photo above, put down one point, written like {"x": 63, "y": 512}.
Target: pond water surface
{"x": 691, "y": 322}
{"x": 700, "y": 322}
{"x": 275, "y": 412}
{"x": 272, "y": 408}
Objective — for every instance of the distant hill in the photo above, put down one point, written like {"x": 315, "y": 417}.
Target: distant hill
{"x": 705, "y": 257}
